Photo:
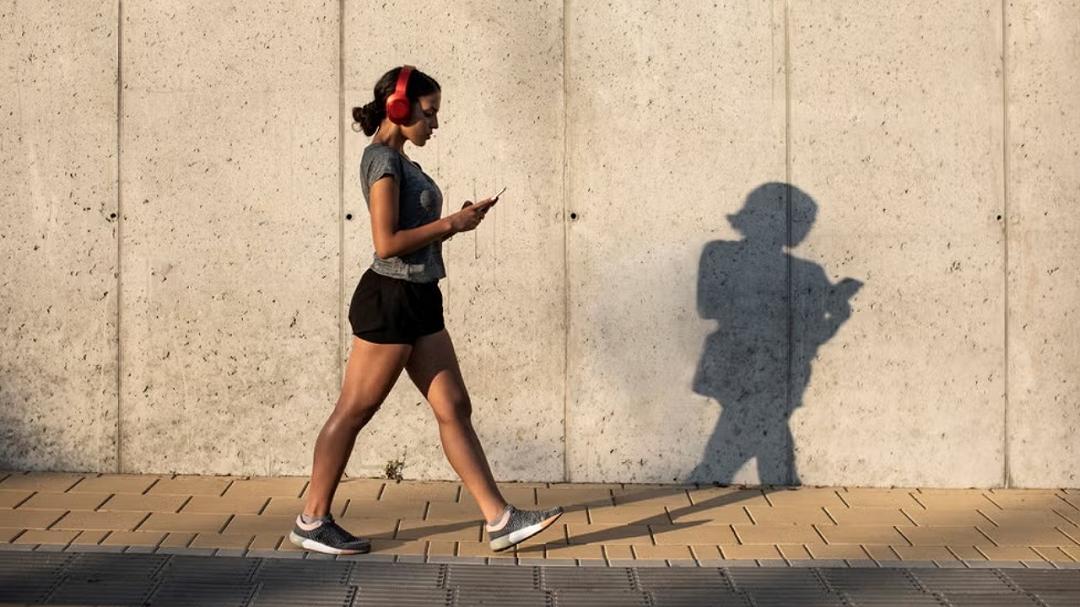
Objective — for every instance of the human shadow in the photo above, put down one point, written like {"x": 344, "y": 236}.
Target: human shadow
{"x": 757, "y": 363}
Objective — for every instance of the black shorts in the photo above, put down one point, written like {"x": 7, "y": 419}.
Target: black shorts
{"x": 388, "y": 310}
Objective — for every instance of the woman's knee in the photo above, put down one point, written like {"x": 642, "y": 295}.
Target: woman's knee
{"x": 355, "y": 415}
{"x": 454, "y": 411}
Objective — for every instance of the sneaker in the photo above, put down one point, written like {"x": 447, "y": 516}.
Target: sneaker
{"x": 324, "y": 535}
{"x": 520, "y": 526}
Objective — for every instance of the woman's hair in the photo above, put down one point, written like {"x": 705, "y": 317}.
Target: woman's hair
{"x": 371, "y": 115}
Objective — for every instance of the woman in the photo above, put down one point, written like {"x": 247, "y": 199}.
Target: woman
{"x": 397, "y": 321}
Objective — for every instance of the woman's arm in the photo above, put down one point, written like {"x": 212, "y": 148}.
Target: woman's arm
{"x": 389, "y": 240}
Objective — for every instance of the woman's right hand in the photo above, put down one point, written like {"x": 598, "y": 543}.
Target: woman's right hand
{"x": 470, "y": 215}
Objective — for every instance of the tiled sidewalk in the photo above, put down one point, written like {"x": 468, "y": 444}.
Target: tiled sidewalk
{"x": 609, "y": 524}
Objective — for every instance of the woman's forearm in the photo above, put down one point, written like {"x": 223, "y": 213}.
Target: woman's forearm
{"x": 404, "y": 242}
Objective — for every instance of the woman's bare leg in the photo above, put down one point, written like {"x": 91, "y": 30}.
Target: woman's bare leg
{"x": 371, "y": 373}
{"x": 433, "y": 367}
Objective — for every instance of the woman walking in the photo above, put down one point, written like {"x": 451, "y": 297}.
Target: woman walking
{"x": 396, "y": 317}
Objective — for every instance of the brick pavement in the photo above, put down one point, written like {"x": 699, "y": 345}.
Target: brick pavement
{"x": 605, "y": 524}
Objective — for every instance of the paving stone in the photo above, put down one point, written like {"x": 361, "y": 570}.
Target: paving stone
{"x": 237, "y": 504}
{"x": 786, "y": 515}
{"x": 937, "y": 536}
{"x": 11, "y": 499}
{"x": 48, "y": 500}
{"x": 1027, "y": 536}
{"x": 435, "y": 530}
{"x": 28, "y": 519}
{"x": 115, "y": 483}
{"x": 365, "y": 489}
{"x": 809, "y": 498}
{"x": 749, "y": 551}
{"x": 709, "y": 515}
{"x": 606, "y": 534}
{"x": 628, "y": 515}
{"x": 860, "y": 534}
{"x": 40, "y": 481}
{"x": 968, "y": 517}
{"x": 181, "y": 522}
{"x": 776, "y": 534}
{"x": 222, "y": 540}
{"x": 128, "y": 502}
{"x": 283, "y": 486}
{"x": 38, "y": 536}
{"x": 420, "y": 492}
{"x": 134, "y": 538}
{"x": 651, "y": 552}
{"x": 356, "y": 508}
{"x": 868, "y": 516}
{"x": 878, "y": 498}
{"x": 191, "y": 485}
{"x": 687, "y": 534}
{"x": 658, "y": 496}
{"x": 108, "y": 521}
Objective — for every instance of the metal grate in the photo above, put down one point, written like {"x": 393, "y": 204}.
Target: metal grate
{"x": 372, "y": 574}
{"x": 612, "y": 578}
{"x": 599, "y": 598}
{"x": 301, "y": 591}
{"x": 472, "y": 576}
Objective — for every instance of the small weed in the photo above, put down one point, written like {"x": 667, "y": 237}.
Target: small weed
{"x": 394, "y": 468}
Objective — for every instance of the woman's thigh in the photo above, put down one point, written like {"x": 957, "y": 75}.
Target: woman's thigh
{"x": 433, "y": 367}
{"x": 371, "y": 373}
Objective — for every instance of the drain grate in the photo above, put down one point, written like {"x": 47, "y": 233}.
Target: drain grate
{"x": 98, "y": 591}
{"x": 30, "y": 577}
{"x": 300, "y": 591}
{"x": 315, "y": 571}
{"x": 505, "y": 597}
{"x": 371, "y": 574}
{"x": 167, "y": 580}
{"x": 857, "y": 581}
{"x": 472, "y": 576}
{"x": 227, "y": 570}
{"x": 185, "y": 592}
{"x": 696, "y": 597}
{"x": 801, "y": 580}
{"x": 1039, "y": 580}
{"x": 804, "y": 597}
{"x": 405, "y": 597}
{"x": 896, "y": 598}
{"x": 600, "y": 598}
{"x": 655, "y": 578}
{"x": 1054, "y": 598}
{"x": 612, "y": 578}
{"x": 990, "y": 599}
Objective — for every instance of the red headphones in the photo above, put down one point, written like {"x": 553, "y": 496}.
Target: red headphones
{"x": 398, "y": 108}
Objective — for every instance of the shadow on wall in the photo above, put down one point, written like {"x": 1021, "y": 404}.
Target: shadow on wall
{"x": 744, "y": 366}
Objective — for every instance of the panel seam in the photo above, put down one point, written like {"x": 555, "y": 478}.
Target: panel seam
{"x": 1006, "y": 472}
{"x": 566, "y": 254}
{"x": 119, "y": 222}
{"x": 341, "y": 194}
{"x": 787, "y": 206}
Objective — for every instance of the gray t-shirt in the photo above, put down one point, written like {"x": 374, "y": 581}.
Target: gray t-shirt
{"x": 420, "y": 203}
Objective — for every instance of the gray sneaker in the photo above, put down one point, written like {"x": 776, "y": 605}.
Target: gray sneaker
{"x": 521, "y": 525}
{"x": 326, "y": 536}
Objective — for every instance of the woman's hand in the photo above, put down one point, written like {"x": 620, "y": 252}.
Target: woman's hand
{"x": 470, "y": 215}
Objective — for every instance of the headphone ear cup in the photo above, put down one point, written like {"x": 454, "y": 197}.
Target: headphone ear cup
{"x": 398, "y": 109}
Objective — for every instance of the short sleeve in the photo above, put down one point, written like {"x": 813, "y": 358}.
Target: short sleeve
{"x": 379, "y": 162}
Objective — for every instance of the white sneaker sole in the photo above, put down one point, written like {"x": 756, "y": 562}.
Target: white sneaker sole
{"x": 310, "y": 544}
{"x": 516, "y": 537}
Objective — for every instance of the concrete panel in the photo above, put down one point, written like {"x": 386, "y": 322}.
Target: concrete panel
{"x": 500, "y": 122}
{"x": 230, "y": 235}
{"x": 58, "y": 236}
{"x": 676, "y": 114}
{"x": 896, "y": 141}
{"x": 1043, "y": 44}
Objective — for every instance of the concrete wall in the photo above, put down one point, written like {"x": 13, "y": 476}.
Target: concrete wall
{"x": 788, "y": 242}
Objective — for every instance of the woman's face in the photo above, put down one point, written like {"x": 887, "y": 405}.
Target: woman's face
{"x": 425, "y": 119}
